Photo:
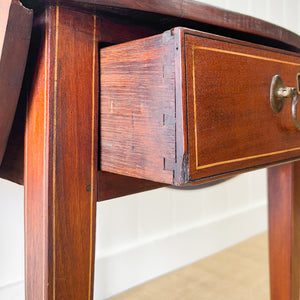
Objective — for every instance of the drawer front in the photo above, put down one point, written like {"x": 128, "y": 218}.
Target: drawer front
{"x": 230, "y": 123}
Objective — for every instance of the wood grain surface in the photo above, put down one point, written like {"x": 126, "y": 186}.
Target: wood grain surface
{"x": 12, "y": 166}
{"x": 215, "y": 120}
{"x": 284, "y": 231}
{"x": 184, "y": 10}
{"x": 15, "y": 31}
{"x": 231, "y": 125}
{"x": 122, "y": 21}
{"x": 114, "y": 30}
{"x": 137, "y": 108}
{"x": 112, "y": 185}
{"x": 60, "y": 157}
{"x": 150, "y": 133}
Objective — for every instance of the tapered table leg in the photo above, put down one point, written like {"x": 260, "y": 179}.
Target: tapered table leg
{"x": 284, "y": 230}
{"x": 60, "y": 157}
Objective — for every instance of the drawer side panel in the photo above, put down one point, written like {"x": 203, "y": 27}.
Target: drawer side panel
{"x": 137, "y": 108}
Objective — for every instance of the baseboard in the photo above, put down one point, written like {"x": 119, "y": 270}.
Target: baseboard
{"x": 119, "y": 271}
{"x": 13, "y": 291}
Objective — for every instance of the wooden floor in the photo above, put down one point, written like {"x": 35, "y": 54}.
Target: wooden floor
{"x": 237, "y": 273}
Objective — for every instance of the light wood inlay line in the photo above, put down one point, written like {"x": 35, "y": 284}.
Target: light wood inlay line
{"x": 25, "y": 202}
{"x": 195, "y": 111}
{"x": 248, "y": 157}
{"x": 246, "y": 55}
{"x": 26, "y": 197}
{"x": 54, "y": 145}
{"x": 199, "y": 167}
{"x": 45, "y": 160}
{"x": 92, "y": 159}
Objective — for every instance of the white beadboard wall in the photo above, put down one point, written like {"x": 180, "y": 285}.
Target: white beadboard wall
{"x": 143, "y": 236}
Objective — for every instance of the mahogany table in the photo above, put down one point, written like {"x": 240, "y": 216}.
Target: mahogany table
{"x": 125, "y": 96}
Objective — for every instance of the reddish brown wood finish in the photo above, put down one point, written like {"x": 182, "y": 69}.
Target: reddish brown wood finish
{"x": 137, "y": 108}
{"x": 61, "y": 138}
{"x": 12, "y": 167}
{"x": 185, "y": 9}
{"x": 113, "y": 185}
{"x": 15, "y": 30}
{"x": 221, "y": 122}
{"x": 110, "y": 185}
{"x": 114, "y": 30}
{"x": 284, "y": 231}
{"x": 60, "y": 157}
{"x": 231, "y": 125}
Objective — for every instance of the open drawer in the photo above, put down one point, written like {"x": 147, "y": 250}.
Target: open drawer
{"x": 185, "y": 106}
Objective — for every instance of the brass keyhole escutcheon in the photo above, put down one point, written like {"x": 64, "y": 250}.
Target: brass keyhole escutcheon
{"x": 279, "y": 92}
{"x": 276, "y": 100}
